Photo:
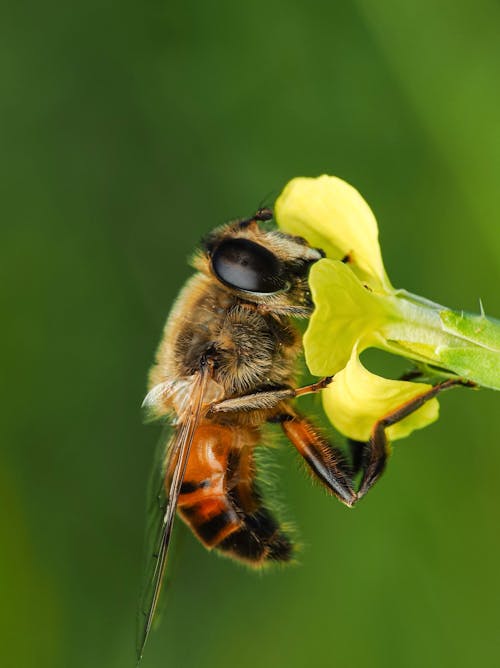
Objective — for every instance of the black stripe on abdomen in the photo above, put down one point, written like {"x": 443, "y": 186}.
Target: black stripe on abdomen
{"x": 190, "y": 487}
{"x": 212, "y": 520}
{"x": 259, "y": 540}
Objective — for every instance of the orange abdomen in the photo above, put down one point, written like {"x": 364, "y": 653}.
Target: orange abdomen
{"x": 220, "y": 501}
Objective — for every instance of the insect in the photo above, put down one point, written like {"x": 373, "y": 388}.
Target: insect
{"x": 225, "y": 366}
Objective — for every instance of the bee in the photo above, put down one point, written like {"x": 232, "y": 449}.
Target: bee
{"x": 226, "y": 365}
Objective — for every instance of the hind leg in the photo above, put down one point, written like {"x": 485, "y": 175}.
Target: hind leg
{"x": 325, "y": 462}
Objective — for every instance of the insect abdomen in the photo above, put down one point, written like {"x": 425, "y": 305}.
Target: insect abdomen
{"x": 220, "y": 502}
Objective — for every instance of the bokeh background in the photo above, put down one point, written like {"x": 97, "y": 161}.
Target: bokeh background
{"x": 127, "y": 131}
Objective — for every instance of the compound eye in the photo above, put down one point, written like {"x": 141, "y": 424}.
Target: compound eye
{"x": 248, "y": 266}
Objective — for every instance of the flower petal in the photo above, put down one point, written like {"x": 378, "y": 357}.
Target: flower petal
{"x": 357, "y": 398}
{"x": 345, "y": 311}
{"x": 333, "y": 216}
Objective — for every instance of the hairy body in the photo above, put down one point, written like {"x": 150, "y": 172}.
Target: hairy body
{"x": 253, "y": 349}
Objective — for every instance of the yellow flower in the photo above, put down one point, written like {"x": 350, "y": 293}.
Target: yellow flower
{"x": 357, "y": 398}
{"x": 333, "y": 216}
{"x": 356, "y": 307}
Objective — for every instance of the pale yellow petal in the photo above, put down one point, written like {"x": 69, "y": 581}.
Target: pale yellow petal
{"x": 345, "y": 311}
{"x": 357, "y": 398}
{"x": 332, "y": 215}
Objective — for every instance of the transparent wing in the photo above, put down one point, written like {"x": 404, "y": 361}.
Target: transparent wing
{"x": 165, "y": 484}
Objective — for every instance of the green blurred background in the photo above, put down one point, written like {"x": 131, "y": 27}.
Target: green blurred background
{"x": 127, "y": 131}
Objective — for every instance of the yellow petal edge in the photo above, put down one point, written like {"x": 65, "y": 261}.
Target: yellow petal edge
{"x": 357, "y": 398}
{"x": 345, "y": 312}
{"x": 332, "y": 215}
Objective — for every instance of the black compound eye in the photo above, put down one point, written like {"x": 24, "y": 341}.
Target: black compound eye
{"x": 245, "y": 265}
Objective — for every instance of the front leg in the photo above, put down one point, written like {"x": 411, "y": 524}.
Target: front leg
{"x": 325, "y": 462}
{"x": 376, "y": 451}
{"x": 267, "y": 399}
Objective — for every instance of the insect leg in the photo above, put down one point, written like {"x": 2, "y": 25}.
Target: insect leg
{"x": 376, "y": 450}
{"x": 250, "y": 402}
{"x": 357, "y": 452}
{"x": 324, "y": 461}
{"x": 266, "y": 399}
{"x": 357, "y": 448}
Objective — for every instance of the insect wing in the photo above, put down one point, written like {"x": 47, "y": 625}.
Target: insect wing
{"x": 165, "y": 485}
